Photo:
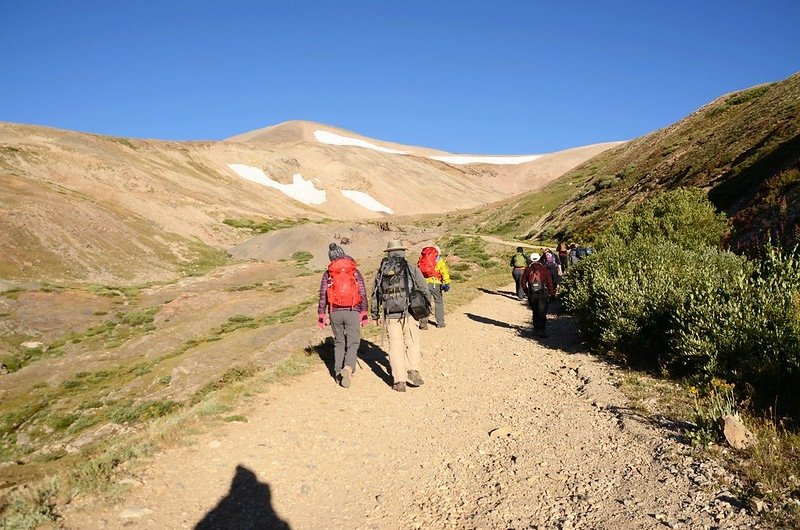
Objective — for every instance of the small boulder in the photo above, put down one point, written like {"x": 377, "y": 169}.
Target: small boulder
{"x": 736, "y": 434}
{"x": 756, "y": 505}
{"x": 32, "y": 345}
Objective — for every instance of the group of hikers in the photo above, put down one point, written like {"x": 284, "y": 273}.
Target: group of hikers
{"x": 537, "y": 277}
{"x": 401, "y": 301}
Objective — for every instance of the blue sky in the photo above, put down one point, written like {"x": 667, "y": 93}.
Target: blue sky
{"x": 502, "y": 77}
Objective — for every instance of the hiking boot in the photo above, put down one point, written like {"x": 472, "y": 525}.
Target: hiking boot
{"x": 423, "y": 325}
{"x": 414, "y": 378}
{"x": 440, "y": 326}
{"x": 344, "y": 377}
{"x": 399, "y": 386}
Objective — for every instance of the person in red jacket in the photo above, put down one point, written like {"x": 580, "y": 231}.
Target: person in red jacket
{"x": 343, "y": 296}
{"x": 538, "y": 285}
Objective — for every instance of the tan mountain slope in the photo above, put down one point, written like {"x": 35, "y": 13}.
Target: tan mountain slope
{"x": 111, "y": 210}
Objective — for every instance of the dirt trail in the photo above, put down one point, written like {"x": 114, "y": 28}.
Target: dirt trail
{"x": 508, "y": 431}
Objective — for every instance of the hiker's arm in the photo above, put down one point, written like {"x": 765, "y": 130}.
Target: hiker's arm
{"x": 419, "y": 280}
{"x": 374, "y": 302}
{"x": 323, "y": 294}
{"x": 444, "y": 270}
{"x": 361, "y": 307}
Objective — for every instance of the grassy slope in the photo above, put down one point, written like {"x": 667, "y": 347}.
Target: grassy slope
{"x": 743, "y": 148}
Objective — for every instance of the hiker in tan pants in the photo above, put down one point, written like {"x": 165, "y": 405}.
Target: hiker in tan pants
{"x": 390, "y": 299}
{"x": 404, "y": 355}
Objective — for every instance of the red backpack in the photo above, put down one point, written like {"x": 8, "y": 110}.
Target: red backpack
{"x": 427, "y": 263}
{"x": 343, "y": 287}
{"x": 536, "y": 282}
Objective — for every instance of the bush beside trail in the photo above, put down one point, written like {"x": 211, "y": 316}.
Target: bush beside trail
{"x": 661, "y": 293}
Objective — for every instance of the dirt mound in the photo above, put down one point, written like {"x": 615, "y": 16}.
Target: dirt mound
{"x": 363, "y": 242}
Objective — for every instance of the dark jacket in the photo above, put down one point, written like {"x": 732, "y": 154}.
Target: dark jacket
{"x": 544, "y": 274}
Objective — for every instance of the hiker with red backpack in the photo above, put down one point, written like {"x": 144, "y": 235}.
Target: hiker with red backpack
{"x": 437, "y": 275}
{"x": 343, "y": 305}
{"x": 538, "y": 285}
{"x": 400, "y": 295}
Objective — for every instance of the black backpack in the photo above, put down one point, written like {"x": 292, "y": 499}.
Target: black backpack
{"x": 397, "y": 291}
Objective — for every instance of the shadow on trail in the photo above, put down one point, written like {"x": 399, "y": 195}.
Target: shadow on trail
{"x": 325, "y": 352}
{"x": 375, "y": 357}
{"x": 248, "y": 505}
{"x": 498, "y": 292}
{"x": 493, "y": 322}
{"x": 674, "y": 428}
{"x": 562, "y": 332}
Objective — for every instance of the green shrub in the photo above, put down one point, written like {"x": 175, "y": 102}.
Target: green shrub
{"x": 140, "y": 318}
{"x": 626, "y": 297}
{"x": 749, "y": 331}
{"x": 302, "y": 257}
{"x": 129, "y": 413}
{"x": 684, "y": 216}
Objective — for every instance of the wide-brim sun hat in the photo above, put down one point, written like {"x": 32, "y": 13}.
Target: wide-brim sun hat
{"x": 535, "y": 256}
{"x": 394, "y": 244}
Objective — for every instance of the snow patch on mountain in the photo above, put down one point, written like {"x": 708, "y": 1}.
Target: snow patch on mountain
{"x": 366, "y": 200}
{"x": 300, "y": 189}
{"x": 488, "y": 159}
{"x": 327, "y": 137}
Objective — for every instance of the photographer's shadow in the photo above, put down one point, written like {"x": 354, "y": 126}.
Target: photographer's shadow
{"x": 247, "y": 506}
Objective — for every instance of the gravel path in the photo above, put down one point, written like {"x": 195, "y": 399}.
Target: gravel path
{"x": 508, "y": 431}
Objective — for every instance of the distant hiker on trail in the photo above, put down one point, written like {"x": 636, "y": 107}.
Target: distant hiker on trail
{"x": 518, "y": 264}
{"x": 563, "y": 255}
{"x": 538, "y": 285}
{"x": 401, "y": 294}
{"x": 550, "y": 260}
{"x": 434, "y": 268}
{"x": 343, "y": 304}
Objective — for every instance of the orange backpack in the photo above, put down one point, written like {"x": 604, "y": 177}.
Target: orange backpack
{"x": 343, "y": 287}
{"x": 427, "y": 263}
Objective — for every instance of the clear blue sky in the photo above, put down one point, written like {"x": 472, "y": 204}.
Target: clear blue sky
{"x": 510, "y": 77}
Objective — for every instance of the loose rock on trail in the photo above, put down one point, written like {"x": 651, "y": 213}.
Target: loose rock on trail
{"x": 508, "y": 431}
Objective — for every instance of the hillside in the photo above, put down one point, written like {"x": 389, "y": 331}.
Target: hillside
{"x": 82, "y": 207}
{"x": 743, "y": 149}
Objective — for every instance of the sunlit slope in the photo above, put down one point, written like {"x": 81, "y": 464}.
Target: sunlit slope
{"x": 107, "y": 209}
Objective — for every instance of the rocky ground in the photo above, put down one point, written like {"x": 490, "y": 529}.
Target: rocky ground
{"x": 508, "y": 431}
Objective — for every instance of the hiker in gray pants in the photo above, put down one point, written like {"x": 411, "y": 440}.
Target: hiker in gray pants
{"x": 345, "y": 324}
{"x": 342, "y": 295}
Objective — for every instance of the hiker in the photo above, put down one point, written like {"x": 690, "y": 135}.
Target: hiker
{"x": 434, "y": 268}
{"x": 538, "y": 285}
{"x": 343, "y": 304}
{"x": 394, "y": 285}
{"x": 573, "y": 254}
{"x": 550, "y": 260}
{"x": 518, "y": 264}
{"x": 563, "y": 255}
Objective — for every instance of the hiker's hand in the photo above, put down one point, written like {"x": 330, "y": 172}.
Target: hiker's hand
{"x": 377, "y": 321}
{"x": 445, "y": 287}
{"x": 322, "y": 321}
{"x": 364, "y": 319}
